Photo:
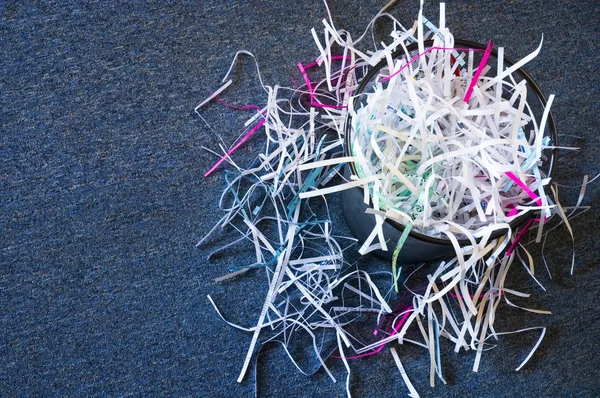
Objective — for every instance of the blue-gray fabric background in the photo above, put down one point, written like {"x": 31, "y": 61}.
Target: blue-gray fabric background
{"x": 102, "y": 199}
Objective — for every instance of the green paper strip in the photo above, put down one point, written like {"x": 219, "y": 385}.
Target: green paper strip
{"x": 399, "y": 245}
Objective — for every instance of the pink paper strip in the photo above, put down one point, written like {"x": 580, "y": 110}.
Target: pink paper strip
{"x": 239, "y": 108}
{"x": 236, "y": 146}
{"x": 395, "y": 331}
{"x": 525, "y": 188}
{"x": 486, "y": 55}
{"x": 513, "y": 212}
{"x": 520, "y": 235}
{"x": 311, "y": 92}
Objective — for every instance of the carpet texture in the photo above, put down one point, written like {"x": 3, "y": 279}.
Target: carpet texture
{"x": 102, "y": 290}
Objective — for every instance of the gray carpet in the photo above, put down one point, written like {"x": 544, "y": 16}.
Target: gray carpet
{"x": 102, "y": 291}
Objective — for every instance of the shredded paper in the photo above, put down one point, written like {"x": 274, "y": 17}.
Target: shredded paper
{"x": 443, "y": 138}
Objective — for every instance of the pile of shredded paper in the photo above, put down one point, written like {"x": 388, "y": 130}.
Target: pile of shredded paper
{"x": 439, "y": 144}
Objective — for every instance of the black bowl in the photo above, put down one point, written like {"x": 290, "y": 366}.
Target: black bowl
{"x": 420, "y": 247}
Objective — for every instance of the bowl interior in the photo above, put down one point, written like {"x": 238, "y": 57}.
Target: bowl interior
{"x": 376, "y": 79}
